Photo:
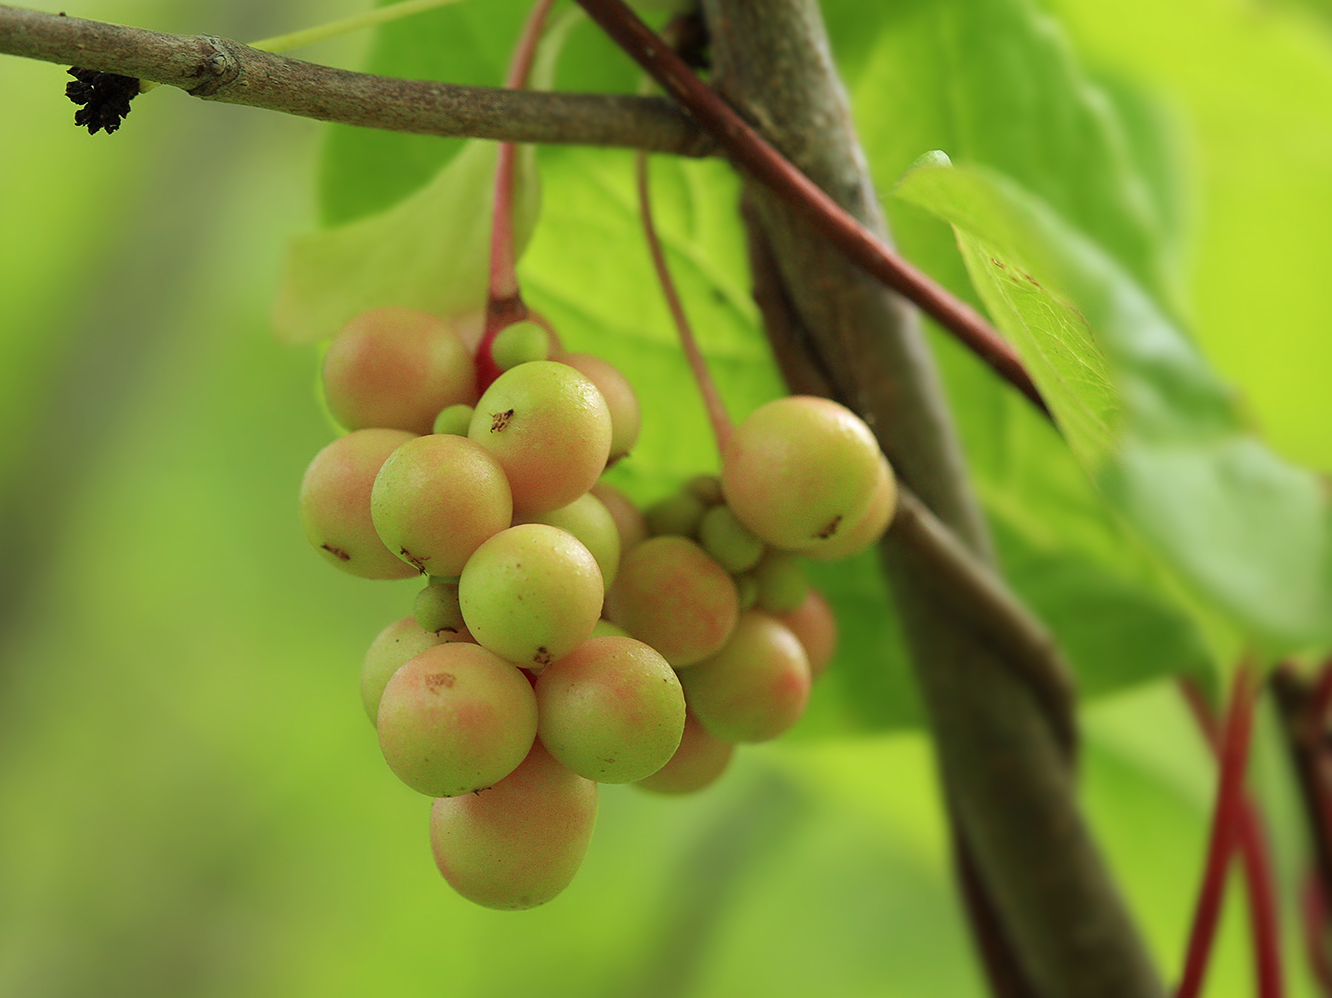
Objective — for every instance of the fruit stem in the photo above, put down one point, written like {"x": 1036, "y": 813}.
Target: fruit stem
{"x": 504, "y": 305}
{"x": 712, "y": 401}
{"x": 1226, "y": 834}
{"x": 752, "y": 153}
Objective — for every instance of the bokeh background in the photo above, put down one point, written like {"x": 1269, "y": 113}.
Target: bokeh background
{"x": 191, "y": 800}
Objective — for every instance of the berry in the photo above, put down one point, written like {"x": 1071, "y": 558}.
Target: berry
{"x": 519, "y": 344}
{"x": 670, "y": 594}
{"x": 401, "y": 640}
{"x": 800, "y": 470}
{"x": 396, "y": 367}
{"x": 335, "y": 503}
{"x": 781, "y": 582}
{"x": 814, "y": 625}
{"x": 626, "y": 416}
{"x": 550, "y": 430}
{"x": 454, "y": 419}
{"x": 728, "y": 540}
{"x": 756, "y": 687}
{"x": 866, "y": 531}
{"x": 531, "y": 594}
{"x": 436, "y": 608}
{"x": 518, "y": 844}
{"x": 628, "y": 519}
{"x": 454, "y": 719}
{"x": 611, "y": 710}
{"x": 436, "y": 499}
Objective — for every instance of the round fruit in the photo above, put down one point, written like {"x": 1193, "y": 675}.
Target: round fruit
{"x": 549, "y": 428}
{"x": 518, "y": 844}
{"x": 531, "y": 594}
{"x": 670, "y": 594}
{"x": 611, "y": 710}
{"x": 436, "y": 499}
{"x": 401, "y": 640}
{"x": 396, "y": 367}
{"x": 756, "y": 687}
{"x": 436, "y": 608}
{"x": 626, "y": 416}
{"x": 814, "y": 625}
{"x": 800, "y": 470}
{"x": 454, "y": 719}
{"x": 335, "y": 503}
{"x": 869, "y": 528}
{"x": 633, "y": 528}
{"x": 588, "y": 519}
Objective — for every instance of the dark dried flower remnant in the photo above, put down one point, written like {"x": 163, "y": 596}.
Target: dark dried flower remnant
{"x": 105, "y": 98}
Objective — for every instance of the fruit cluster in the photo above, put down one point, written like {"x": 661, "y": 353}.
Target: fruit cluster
{"x": 564, "y": 638}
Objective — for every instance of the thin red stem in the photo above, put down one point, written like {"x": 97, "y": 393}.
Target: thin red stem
{"x": 712, "y": 401}
{"x": 1314, "y": 912}
{"x": 1227, "y": 823}
{"x": 752, "y": 152}
{"x": 505, "y": 305}
{"x": 1259, "y": 882}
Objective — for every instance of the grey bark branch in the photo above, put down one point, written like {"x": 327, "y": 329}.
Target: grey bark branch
{"x": 222, "y": 70}
{"x": 1007, "y": 779}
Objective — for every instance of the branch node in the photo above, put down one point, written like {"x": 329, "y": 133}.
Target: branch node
{"x": 217, "y": 69}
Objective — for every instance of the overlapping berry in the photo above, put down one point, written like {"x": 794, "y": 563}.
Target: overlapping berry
{"x": 564, "y": 639}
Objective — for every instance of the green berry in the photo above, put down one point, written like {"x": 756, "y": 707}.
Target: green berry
{"x": 728, "y": 540}
{"x": 520, "y": 343}
{"x": 455, "y": 419}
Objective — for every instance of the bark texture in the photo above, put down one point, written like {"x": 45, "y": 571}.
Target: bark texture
{"x": 1011, "y": 788}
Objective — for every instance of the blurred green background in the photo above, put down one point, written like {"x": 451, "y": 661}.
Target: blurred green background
{"x": 191, "y": 801}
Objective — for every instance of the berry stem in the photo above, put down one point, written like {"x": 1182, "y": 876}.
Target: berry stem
{"x": 752, "y": 152}
{"x": 1255, "y": 856}
{"x": 504, "y": 305}
{"x": 712, "y": 401}
{"x": 1233, "y": 751}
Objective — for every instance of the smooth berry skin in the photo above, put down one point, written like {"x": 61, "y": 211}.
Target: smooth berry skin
{"x": 673, "y": 596}
{"x": 755, "y": 688}
{"x": 393, "y": 646}
{"x": 588, "y": 519}
{"x": 800, "y": 470}
{"x": 549, "y": 428}
{"x": 531, "y": 594}
{"x": 396, "y": 368}
{"x": 866, "y": 531}
{"x": 698, "y": 763}
{"x": 611, "y": 710}
{"x": 628, "y": 518}
{"x": 335, "y": 501}
{"x": 436, "y": 500}
{"x": 814, "y": 624}
{"x": 455, "y": 719}
{"x": 518, "y": 844}
{"x": 621, "y": 400}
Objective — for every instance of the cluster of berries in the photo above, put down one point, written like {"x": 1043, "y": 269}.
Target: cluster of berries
{"x": 507, "y": 696}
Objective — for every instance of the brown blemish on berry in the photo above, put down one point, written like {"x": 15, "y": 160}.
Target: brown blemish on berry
{"x": 435, "y": 680}
{"x": 830, "y": 529}
{"x": 499, "y": 420}
{"x": 415, "y": 562}
{"x": 337, "y": 553}
{"x": 542, "y": 657}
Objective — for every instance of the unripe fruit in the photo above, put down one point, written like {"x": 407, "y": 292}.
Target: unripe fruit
{"x": 518, "y": 844}
{"x": 677, "y": 515}
{"x": 393, "y": 646}
{"x": 550, "y": 430}
{"x": 605, "y": 629}
{"x": 455, "y": 420}
{"x": 436, "y": 499}
{"x": 611, "y": 710}
{"x": 436, "y": 608}
{"x": 625, "y": 413}
{"x": 814, "y": 624}
{"x": 520, "y": 343}
{"x": 781, "y": 581}
{"x": 335, "y": 504}
{"x": 728, "y": 540}
{"x": 531, "y": 594}
{"x": 697, "y": 763}
{"x": 800, "y": 470}
{"x": 866, "y": 531}
{"x": 707, "y": 488}
{"x": 671, "y": 595}
{"x": 396, "y": 367}
{"x": 756, "y": 687}
{"x": 454, "y": 719}
{"x": 588, "y": 519}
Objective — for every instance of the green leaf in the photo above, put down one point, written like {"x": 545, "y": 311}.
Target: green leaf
{"x": 431, "y": 251}
{"x": 1151, "y": 423}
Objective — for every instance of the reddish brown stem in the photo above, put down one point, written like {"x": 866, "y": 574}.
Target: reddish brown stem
{"x": 752, "y": 152}
{"x": 1259, "y": 882}
{"x": 1226, "y": 834}
{"x": 504, "y": 304}
{"x": 1313, "y": 911}
{"x": 712, "y": 401}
